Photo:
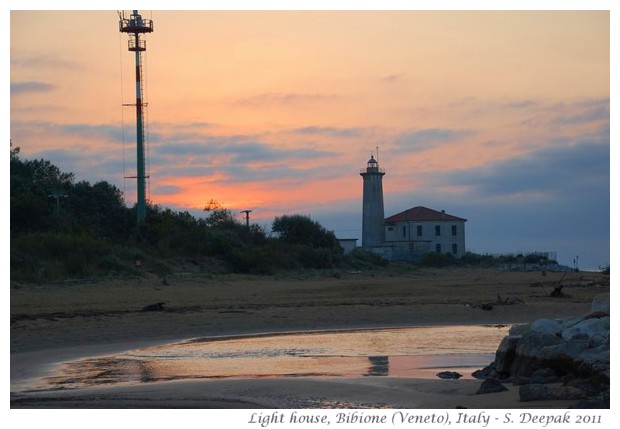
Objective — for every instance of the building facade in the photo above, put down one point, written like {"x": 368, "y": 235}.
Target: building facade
{"x": 409, "y": 234}
{"x": 419, "y": 230}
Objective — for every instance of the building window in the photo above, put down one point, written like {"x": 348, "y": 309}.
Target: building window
{"x": 438, "y": 230}
{"x": 419, "y": 230}
{"x": 390, "y": 228}
{"x": 405, "y": 231}
{"x": 454, "y": 248}
{"x": 453, "y": 230}
{"x": 438, "y": 248}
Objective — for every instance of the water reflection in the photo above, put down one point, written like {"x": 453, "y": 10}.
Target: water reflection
{"x": 406, "y": 352}
{"x": 379, "y": 366}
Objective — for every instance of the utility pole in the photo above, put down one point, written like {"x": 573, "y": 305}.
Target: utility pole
{"x": 247, "y": 217}
{"x": 57, "y": 195}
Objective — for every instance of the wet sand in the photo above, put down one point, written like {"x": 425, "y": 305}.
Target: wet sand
{"x": 53, "y": 323}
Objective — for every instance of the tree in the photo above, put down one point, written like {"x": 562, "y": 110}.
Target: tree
{"x": 219, "y": 217}
{"x": 14, "y": 152}
{"x": 308, "y": 242}
{"x": 99, "y": 208}
{"x": 32, "y": 183}
{"x": 300, "y": 229}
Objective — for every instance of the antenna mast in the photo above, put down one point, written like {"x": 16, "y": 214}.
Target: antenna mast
{"x": 134, "y": 26}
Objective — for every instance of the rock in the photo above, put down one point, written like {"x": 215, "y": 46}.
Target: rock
{"x": 588, "y": 327}
{"x": 596, "y": 315}
{"x": 449, "y": 375}
{"x": 570, "y": 321}
{"x": 600, "y": 401}
{"x": 527, "y": 352}
{"x": 595, "y": 364}
{"x": 519, "y": 329}
{"x": 569, "y": 349}
{"x": 531, "y": 344}
{"x": 543, "y": 373}
{"x": 485, "y": 372}
{"x": 601, "y": 303}
{"x": 546, "y": 326}
{"x": 574, "y": 351}
{"x": 585, "y": 384}
{"x": 601, "y": 339}
{"x": 542, "y": 392}
{"x": 541, "y": 376}
{"x": 505, "y": 355}
{"x": 491, "y": 385}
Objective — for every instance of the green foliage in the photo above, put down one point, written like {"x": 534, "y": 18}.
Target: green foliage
{"x": 437, "y": 260}
{"x": 474, "y": 259}
{"x": 98, "y": 209}
{"x": 29, "y": 212}
{"x": 260, "y": 259}
{"x": 61, "y": 229}
{"x": 364, "y": 259}
{"x": 312, "y": 245}
{"x": 486, "y": 260}
{"x": 221, "y": 218}
{"x": 300, "y": 229}
{"x": 51, "y": 256}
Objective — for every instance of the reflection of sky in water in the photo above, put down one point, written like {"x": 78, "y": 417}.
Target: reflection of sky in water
{"x": 404, "y": 352}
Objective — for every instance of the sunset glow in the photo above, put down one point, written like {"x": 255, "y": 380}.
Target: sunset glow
{"x": 499, "y": 117}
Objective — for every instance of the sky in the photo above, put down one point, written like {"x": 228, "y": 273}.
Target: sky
{"x": 501, "y": 117}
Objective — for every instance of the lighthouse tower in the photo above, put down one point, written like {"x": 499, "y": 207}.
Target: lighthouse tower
{"x": 373, "y": 218}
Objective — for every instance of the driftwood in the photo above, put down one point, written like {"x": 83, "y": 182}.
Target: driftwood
{"x": 557, "y": 290}
{"x": 158, "y": 306}
{"x": 487, "y": 306}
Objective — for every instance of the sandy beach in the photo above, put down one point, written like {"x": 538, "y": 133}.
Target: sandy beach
{"x": 60, "y": 322}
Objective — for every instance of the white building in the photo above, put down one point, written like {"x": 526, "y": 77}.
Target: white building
{"x": 418, "y": 230}
{"x": 348, "y": 244}
{"x": 409, "y": 234}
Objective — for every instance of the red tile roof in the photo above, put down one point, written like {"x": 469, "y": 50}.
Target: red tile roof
{"x": 422, "y": 214}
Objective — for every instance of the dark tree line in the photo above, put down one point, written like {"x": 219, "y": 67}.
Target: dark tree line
{"x": 61, "y": 229}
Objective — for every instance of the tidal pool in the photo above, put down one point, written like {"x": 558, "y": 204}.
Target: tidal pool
{"x": 418, "y": 352}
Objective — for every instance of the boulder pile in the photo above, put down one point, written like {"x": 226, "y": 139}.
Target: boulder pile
{"x": 558, "y": 359}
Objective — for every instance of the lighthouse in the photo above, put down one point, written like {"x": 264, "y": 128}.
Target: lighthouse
{"x": 373, "y": 217}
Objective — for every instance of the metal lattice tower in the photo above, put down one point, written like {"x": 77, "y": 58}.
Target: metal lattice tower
{"x": 135, "y": 25}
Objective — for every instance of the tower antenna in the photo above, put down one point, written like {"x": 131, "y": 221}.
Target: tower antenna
{"x": 135, "y": 25}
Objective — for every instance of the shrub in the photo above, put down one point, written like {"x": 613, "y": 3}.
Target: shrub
{"x": 364, "y": 259}
{"x": 254, "y": 260}
{"x": 53, "y": 256}
{"x": 436, "y": 260}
